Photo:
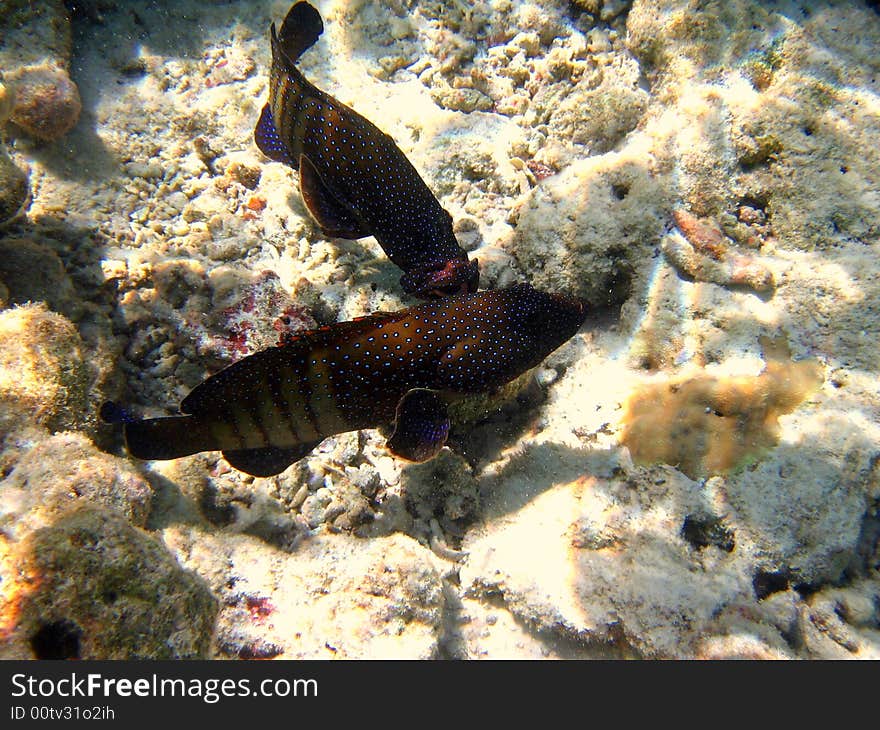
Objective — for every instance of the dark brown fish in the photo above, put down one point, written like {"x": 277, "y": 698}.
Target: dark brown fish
{"x": 270, "y": 409}
{"x": 354, "y": 180}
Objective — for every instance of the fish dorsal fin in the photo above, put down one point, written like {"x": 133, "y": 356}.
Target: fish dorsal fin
{"x": 330, "y": 333}
{"x": 268, "y": 140}
{"x": 300, "y": 30}
{"x": 421, "y": 425}
{"x": 268, "y": 461}
{"x": 334, "y": 217}
{"x": 224, "y": 385}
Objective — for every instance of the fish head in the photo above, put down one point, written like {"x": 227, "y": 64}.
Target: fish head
{"x": 442, "y": 279}
{"x": 543, "y": 320}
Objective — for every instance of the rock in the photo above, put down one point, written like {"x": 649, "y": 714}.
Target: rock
{"x": 442, "y": 487}
{"x": 35, "y": 46}
{"x": 605, "y": 562}
{"x": 46, "y": 377}
{"x": 772, "y": 109}
{"x": 52, "y": 474}
{"x": 47, "y": 103}
{"x": 807, "y": 530}
{"x": 7, "y": 101}
{"x": 14, "y": 188}
{"x": 599, "y": 113}
{"x": 32, "y": 32}
{"x": 589, "y": 231}
{"x": 332, "y": 596}
{"x": 92, "y": 586}
{"x": 33, "y": 272}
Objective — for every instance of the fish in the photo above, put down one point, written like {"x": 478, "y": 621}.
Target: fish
{"x": 402, "y": 369}
{"x": 355, "y": 181}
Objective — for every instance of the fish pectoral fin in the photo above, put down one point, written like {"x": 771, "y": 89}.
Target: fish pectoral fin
{"x": 420, "y": 427}
{"x": 269, "y": 141}
{"x": 336, "y": 220}
{"x": 267, "y": 461}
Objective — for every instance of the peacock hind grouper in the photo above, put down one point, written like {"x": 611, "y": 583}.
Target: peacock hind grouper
{"x": 354, "y": 180}
{"x": 270, "y": 409}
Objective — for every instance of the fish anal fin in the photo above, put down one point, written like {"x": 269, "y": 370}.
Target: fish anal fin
{"x": 421, "y": 426}
{"x": 269, "y": 142}
{"x": 268, "y": 461}
{"x": 335, "y": 219}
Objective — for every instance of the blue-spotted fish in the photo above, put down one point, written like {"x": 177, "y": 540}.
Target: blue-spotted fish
{"x": 354, "y": 180}
{"x": 403, "y": 369}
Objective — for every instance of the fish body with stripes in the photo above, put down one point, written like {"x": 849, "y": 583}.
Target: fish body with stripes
{"x": 405, "y": 368}
{"x": 354, "y": 179}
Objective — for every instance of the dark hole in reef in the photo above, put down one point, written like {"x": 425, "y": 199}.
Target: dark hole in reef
{"x": 868, "y": 548}
{"x": 808, "y": 130}
{"x": 805, "y": 590}
{"x": 766, "y": 583}
{"x": 57, "y": 640}
{"x": 702, "y": 531}
{"x": 844, "y": 169}
{"x": 620, "y": 191}
{"x": 216, "y": 507}
{"x": 758, "y": 202}
{"x": 109, "y": 596}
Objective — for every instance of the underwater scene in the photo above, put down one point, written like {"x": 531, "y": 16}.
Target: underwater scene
{"x": 508, "y": 329}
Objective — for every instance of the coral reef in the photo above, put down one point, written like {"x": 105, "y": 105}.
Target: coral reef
{"x": 52, "y": 474}
{"x": 92, "y": 586}
{"x": 589, "y": 230}
{"x": 7, "y": 101}
{"x": 332, "y": 597}
{"x": 703, "y": 254}
{"x": 33, "y": 272}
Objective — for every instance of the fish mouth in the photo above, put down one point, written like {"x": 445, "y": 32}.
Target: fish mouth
{"x": 575, "y": 305}
{"x": 442, "y": 279}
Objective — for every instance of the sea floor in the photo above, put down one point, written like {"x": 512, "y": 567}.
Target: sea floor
{"x": 693, "y": 475}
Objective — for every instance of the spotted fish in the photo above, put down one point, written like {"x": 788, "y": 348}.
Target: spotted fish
{"x": 403, "y": 368}
{"x": 354, "y": 180}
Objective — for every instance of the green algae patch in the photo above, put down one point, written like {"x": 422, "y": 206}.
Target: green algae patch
{"x": 706, "y": 424}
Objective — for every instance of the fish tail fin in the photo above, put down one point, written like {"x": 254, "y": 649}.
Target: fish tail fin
{"x": 168, "y": 438}
{"x": 301, "y": 28}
